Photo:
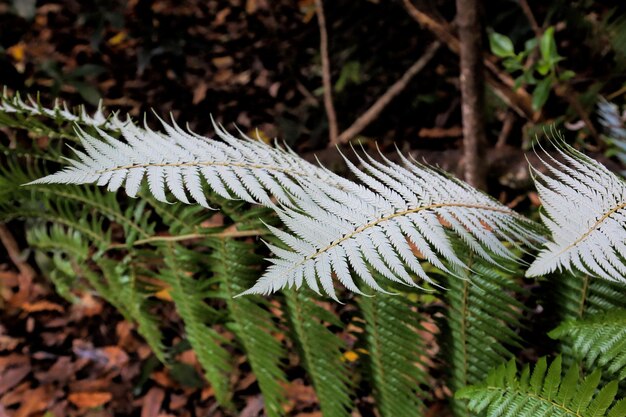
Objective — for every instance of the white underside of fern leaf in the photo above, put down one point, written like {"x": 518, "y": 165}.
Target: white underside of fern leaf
{"x": 15, "y": 104}
{"x": 179, "y": 162}
{"x": 378, "y": 227}
{"x": 584, "y": 207}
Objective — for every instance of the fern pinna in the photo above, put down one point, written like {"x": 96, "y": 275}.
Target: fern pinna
{"x": 543, "y": 392}
{"x": 395, "y": 345}
{"x": 395, "y": 224}
{"x": 482, "y": 322}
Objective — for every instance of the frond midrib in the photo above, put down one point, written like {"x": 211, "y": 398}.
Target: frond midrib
{"x": 593, "y": 228}
{"x": 383, "y": 219}
{"x": 208, "y": 163}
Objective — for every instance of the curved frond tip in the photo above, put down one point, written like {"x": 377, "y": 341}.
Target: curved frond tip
{"x": 402, "y": 214}
{"x": 584, "y": 207}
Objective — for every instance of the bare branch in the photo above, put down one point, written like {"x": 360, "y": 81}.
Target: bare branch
{"x": 501, "y": 83}
{"x": 396, "y": 88}
{"x": 333, "y": 130}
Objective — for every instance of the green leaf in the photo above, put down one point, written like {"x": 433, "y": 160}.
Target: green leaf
{"x": 392, "y": 335}
{"x": 501, "y": 45}
{"x": 350, "y": 74}
{"x": 541, "y": 93}
{"x": 547, "y": 45}
{"x": 566, "y": 75}
{"x": 500, "y": 395}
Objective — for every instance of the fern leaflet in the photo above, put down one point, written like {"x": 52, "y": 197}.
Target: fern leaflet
{"x": 321, "y": 352}
{"x": 585, "y": 210}
{"x": 599, "y": 338}
{"x": 232, "y": 263}
{"x": 335, "y": 229}
{"x": 179, "y": 162}
{"x": 189, "y": 296}
{"x": 544, "y": 392}
{"x": 482, "y": 318}
{"x": 392, "y": 332}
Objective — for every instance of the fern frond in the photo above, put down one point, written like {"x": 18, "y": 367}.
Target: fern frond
{"x": 482, "y": 318}
{"x": 66, "y": 246}
{"x": 179, "y": 162}
{"x": 189, "y": 297}
{"x": 600, "y": 339}
{"x": 585, "y": 210}
{"x": 614, "y": 124}
{"x": 400, "y": 209}
{"x": 577, "y": 295}
{"x": 13, "y": 106}
{"x": 613, "y": 121}
{"x": 121, "y": 288}
{"x": 233, "y": 264}
{"x": 544, "y": 392}
{"x": 395, "y": 345}
{"x": 321, "y": 352}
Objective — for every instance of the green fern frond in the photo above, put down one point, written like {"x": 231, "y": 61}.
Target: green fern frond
{"x": 599, "y": 339}
{"x": 123, "y": 289}
{"x": 233, "y": 264}
{"x": 67, "y": 247}
{"x": 481, "y": 320}
{"x": 321, "y": 352}
{"x": 393, "y": 340}
{"x": 576, "y": 295}
{"x": 189, "y": 297}
{"x": 543, "y": 392}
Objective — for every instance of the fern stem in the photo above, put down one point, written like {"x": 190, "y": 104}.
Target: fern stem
{"x": 191, "y": 236}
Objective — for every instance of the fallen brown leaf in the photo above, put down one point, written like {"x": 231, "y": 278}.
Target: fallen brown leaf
{"x": 36, "y": 401}
{"x": 12, "y": 377}
{"x": 152, "y": 402}
{"x": 89, "y": 399}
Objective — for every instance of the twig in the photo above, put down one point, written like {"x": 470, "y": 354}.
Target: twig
{"x": 507, "y": 126}
{"x": 13, "y": 250}
{"x": 441, "y": 29}
{"x": 502, "y": 83}
{"x": 531, "y": 18}
{"x": 191, "y": 236}
{"x": 396, "y": 88}
{"x": 472, "y": 93}
{"x": 333, "y": 131}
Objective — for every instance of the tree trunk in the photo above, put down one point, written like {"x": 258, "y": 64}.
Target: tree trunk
{"x": 472, "y": 92}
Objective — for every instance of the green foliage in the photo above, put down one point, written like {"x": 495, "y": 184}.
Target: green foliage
{"x": 188, "y": 294}
{"x": 482, "y": 318}
{"x": 393, "y": 334}
{"x": 543, "y": 72}
{"x": 599, "y": 339}
{"x": 544, "y": 391}
{"x": 577, "y": 295}
{"x": 321, "y": 351}
{"x": 250, "y": 319}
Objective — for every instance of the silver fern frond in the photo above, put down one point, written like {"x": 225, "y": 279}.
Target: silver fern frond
{"x": 382, "y": 225}
{"x": 178, "y": 161}
{"x": 584, "y": 207}
{"x": 14, "y": 104}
